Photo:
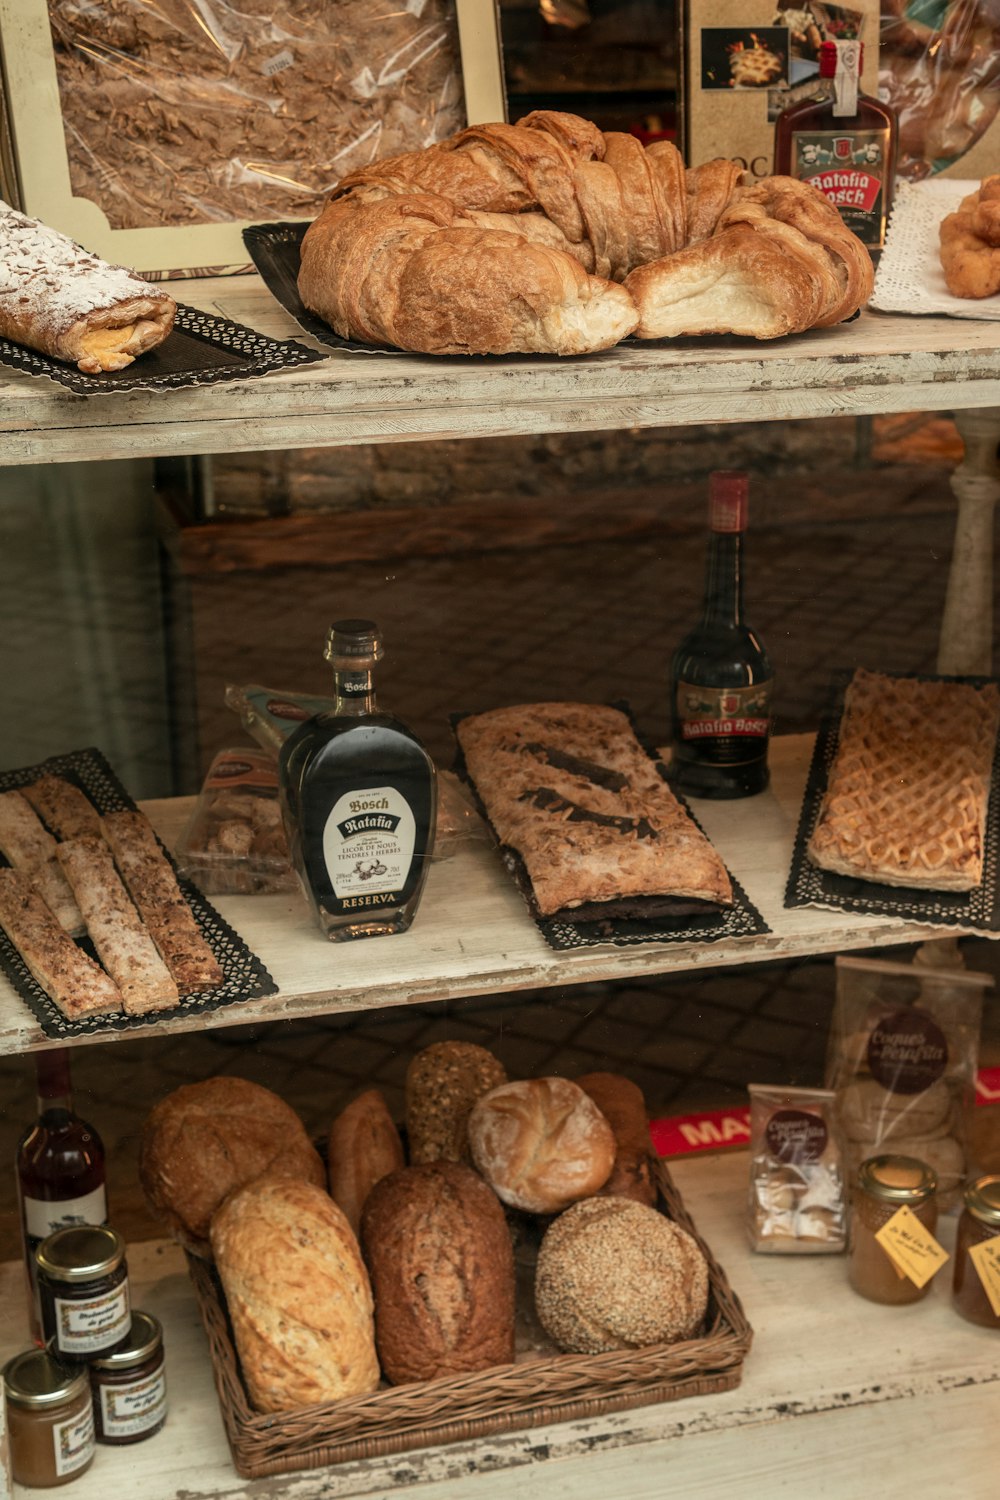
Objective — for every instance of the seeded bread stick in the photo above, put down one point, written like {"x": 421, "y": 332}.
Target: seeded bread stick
{"x": 63, "y": 807}
{"x": 31, "y": 848}
{"x": 71, "y": 980}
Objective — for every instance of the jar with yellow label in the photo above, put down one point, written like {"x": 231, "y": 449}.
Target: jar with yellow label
{"x": 885, "y": 1185}
{"x": 979, "y": 1222}
{"x": 83, "y": 1290}
{"x": 50, "y": 1419}
{"x": 130, "y": 1385}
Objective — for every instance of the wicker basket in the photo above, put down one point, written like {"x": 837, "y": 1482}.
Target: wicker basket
{"x": 541, "y": 1387}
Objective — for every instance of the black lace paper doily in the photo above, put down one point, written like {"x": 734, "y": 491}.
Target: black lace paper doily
{"x": 275, "y": 251}
{"x": 244, "y": 976}
{"x": 808, "y": 885}
{"x": 202, "y": 350}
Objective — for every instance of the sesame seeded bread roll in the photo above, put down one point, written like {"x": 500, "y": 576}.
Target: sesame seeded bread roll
{"x": 614, "y": 1274}
{"x": 443, "y": 1082}
{"x": 541, "y": 1144}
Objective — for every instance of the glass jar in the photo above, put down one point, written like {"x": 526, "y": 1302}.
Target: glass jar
{"x": 130, "y": 1385}
{"x": 885, "y": 1185}
{"x": 50, "y": 1419}
{"x": 979, "y": 1221}
{"x": 83, "y": 1290}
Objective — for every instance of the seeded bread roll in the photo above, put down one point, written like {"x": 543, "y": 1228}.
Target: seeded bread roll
{"x": 443, "y": 1082}
{"x": 364, "y": 1147}
{"x": 614, "y": 1274}
{"x": 541, "y": 1144}
{"x": 206, "y": 1139}
{"x": 622, "y": 1104}
{"x": 442, "y": 1268}
{"x": 298, "y": 1295}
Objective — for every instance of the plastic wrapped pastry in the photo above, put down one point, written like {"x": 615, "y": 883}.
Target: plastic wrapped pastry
{"x": 62, "y": 301}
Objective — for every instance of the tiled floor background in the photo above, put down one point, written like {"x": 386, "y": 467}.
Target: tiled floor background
{"x": 856, "y": 580}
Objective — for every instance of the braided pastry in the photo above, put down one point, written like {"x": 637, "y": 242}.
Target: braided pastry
{"x": 550, "y": 236}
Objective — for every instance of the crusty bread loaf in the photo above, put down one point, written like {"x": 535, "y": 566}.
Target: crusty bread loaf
{"x": 364, "y": 1146}
{"x": 614, "y": 1274}
{"x": 541, "y": 1144}
{"x": 623, "y": 1106}
{"x": 443, "y": 1082}
{"x": 205, "y": 1139}
{"x": 298, "y": 1294}
{"x": 442, "y": 1268}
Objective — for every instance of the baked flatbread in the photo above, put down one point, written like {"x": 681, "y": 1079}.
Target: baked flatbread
{"x": 908, "y": 791}
{"x": 72, "y": 980}
{"x": 63, "y": 807}
{"x": 571, "y": 790}
{"x": 31, "y": 848}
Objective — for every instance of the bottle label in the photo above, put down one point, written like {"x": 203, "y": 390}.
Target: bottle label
{"x": 849, "y": 167}
{"x": 728, "y": 726}
{"x": 73, "y": 1441}
{"x": 127, "y": 1410}
{"x": 368, "y": 845}
{"x": 42, "y": 1219}
{"x": 96, "y": 1323}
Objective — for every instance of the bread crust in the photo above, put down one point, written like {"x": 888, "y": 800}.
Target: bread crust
{"x": 622, "y": 1104}
{"x": 541, "y": 1143}
{"x": 363, "y": 1147}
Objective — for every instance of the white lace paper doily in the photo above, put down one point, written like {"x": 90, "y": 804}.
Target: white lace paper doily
{"x": 909, "y": 278}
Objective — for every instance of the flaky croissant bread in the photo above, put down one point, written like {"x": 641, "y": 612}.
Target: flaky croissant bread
{"x": 550, "y": 236}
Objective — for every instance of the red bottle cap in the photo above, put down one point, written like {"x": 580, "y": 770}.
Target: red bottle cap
{"x": 727, "y": 500}
{"x": 828, "y": 59}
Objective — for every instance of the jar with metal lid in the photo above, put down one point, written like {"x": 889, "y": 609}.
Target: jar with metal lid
{"x": 83, "y": 1290}
{"x": 130, "y": 1385}
{"x": 50, "y": 1419}
{"x": 886, "y": 1184}
{"x": 978, "y": 1222}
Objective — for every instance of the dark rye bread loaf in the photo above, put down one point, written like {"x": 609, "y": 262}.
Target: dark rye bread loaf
{"x": 442, "y": 1270}
{"x": 622, "y": 1104}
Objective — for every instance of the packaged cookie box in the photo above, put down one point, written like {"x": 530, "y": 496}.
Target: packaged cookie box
{"x": 234, "y": 843}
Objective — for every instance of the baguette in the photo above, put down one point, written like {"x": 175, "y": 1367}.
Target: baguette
{"x": 364, "y": 1146}
{"x": 74, "y": 983}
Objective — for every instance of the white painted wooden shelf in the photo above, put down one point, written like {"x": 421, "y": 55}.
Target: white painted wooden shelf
{"x": 878, "y": 363}
{"x": 473, "y": 934}
{"x": 835, "y": 1390}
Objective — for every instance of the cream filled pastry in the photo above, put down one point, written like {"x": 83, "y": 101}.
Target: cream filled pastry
{"x": 64, "y": 302}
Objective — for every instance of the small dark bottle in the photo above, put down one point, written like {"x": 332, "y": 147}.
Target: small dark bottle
{"x": 359, "y": 800}
{"x": 721, "y": 678}
{"x": 843, "y": 142}
{"x": 59, "y": 1168}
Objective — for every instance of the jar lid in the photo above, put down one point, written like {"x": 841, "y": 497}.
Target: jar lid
{"x": 36, "y": 1379}
{"x": 982, "y": 1199}
{"x": 145, "y": 1338}
{"x": 897, "y": 1179}
{"x": 81, "y": 1252}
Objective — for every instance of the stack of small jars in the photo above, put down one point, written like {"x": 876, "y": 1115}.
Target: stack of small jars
{"x": 100, "y": 1377}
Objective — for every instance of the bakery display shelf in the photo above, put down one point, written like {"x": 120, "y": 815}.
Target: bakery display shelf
{"x": 876, "y": 363}
{"x": 830, "y": 1380}
{"x": 473, "y": 935}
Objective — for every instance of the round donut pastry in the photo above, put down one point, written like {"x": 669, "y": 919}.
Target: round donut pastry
{"x": 870, "y": 1112}
{"x": 615, "y": 1274}
{"x": 206, "y": 1139}
{"x": 443, "y": 1082}
{"x": 541, "y": 1144}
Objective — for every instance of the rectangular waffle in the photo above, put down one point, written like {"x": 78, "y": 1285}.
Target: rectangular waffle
{"x": 908, "y": 791}
{"x": 569, "y": 788}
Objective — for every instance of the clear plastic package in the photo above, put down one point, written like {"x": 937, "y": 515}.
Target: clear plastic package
{"x": 234, "y": 843}
{"x": 797, "y": 1200}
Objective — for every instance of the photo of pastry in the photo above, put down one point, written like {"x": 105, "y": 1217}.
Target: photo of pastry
{"x": 810, "y": 24}
{"x": 744, "y": 59}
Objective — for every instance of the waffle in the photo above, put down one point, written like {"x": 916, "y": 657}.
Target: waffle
{"x": 907, "y": 794}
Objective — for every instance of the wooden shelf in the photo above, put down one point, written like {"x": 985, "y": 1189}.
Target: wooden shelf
{"x": 830, "y": 1381}
{"x": 878, "y": 363}
{"x": 473, "y": 935}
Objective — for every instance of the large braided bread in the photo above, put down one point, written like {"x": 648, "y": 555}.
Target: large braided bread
{"x": 550, "y": 236}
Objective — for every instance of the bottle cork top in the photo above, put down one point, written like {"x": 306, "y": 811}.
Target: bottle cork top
{"x": 846, "y": 56}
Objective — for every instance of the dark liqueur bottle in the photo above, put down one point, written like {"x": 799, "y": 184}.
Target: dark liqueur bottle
{"x": 720, "y": 676}
{"x": 359, "y": 800}
{"x": 59, "y": 1167}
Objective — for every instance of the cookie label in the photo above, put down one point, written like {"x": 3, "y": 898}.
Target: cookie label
{"x": 795, "y": 1135}
{"x": 907, "y": 1051}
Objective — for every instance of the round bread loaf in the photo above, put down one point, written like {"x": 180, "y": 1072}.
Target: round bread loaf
{"x": 363, "y": 1147}
{"x": 298, "y": 1294}
{"x": 622, "y": 1104}
{"x": 615, "y": 1274}
{"x": 541, "y": 1144}
{"x": 442, "y": 1268}
{"x": 206, "y": 1139}
{"x": 443, "y": 1082}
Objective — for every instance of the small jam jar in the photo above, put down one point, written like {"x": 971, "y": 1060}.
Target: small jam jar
{"x": 885, "y": 1185}
{"x": 50, "y": 1419}
{"x": 130, "y": 1385}
{"x": 83, "y": 1291}
{"x": 979, "y": 1221}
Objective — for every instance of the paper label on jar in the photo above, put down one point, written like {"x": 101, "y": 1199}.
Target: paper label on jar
{"x": 368, "y": 845}
{"x": 912, "y": 1249}
{"x": 127, "y": 1410}
{"x": 94, "y": 1323}
{"x": 73, "y": 1441}
{"x": 986, "y": 1259}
